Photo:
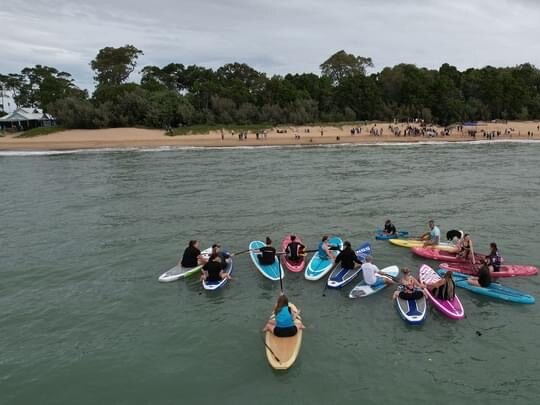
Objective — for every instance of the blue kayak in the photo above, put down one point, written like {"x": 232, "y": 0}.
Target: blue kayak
{"x": 380, "y": 235}
{"x": 341, "y": 276}
{"x": 495, "y": 290}
{"x": 270, "y": 271}
{"x": 317, "y": 268}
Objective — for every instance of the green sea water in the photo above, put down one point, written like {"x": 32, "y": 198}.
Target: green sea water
{"x": 84, "y": 237}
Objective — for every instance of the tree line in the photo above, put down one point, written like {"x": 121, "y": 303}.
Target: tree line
{"x": 176, "y": 95}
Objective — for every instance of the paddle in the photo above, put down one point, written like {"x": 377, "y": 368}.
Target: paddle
{"x": 271, "y": 351}
{"x": 241, "y": 252}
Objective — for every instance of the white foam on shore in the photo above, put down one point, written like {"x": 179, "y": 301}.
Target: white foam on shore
{"x": 19, "y": 153}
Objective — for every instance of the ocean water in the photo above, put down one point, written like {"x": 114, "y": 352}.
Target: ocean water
{"x": 84, "y": 236}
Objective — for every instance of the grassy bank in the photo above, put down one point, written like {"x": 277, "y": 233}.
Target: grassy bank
{"x": 40, "y": 131}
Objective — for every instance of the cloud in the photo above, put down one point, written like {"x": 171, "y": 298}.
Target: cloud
{"x": 276, "y": 37}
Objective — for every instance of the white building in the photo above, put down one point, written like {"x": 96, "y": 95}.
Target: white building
{"x": 26, "y": 118}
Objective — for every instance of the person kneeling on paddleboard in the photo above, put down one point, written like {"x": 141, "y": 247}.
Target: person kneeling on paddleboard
{"x": 285, "y": 322}
{"x": 294, "y": 250}
{"x": 348, "y": 257}
{"x": 410, "y": 287}
{"x": 267, "y": 253}
{"x": 370, "y": 271}
{"x": 465, "y": 249}
{"x": 324, "y": 249}
{"x": 494, "y": 258}
{"x": 213, "y": 271}
{"x": 223, "y": 256}
{"x": 192, "y": 255}
{"x": 389, "y": 228}
{"x": 443, "y": 289}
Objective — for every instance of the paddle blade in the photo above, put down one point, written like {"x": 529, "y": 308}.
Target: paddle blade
{"x": 363, "y": 251}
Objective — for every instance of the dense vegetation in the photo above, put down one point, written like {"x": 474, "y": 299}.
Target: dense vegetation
{"x": 236, "y": 94}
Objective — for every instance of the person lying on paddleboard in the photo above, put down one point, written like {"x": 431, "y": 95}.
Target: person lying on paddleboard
{"x": 494, "y": 258}
{"x": 295, "y": 250}
{"x": 192, "y": 255}
{"x": 348, "y": 257}
{"x": 267, "y": 253}
{"x": 285, "y": 322}
{"x": 410, "y": 287}
{"x": 389, "y": 228}
{"x": 370, "y": 271}
{"x": 223, "y": 256}
{"x": 465, "y": 249}
{"x": 213, "y": 270}
{"x": 483, "y": 279}
{"x": 324, "y": 249}
{"x": 433, "y": 237}
{"x": 445, "y": 288}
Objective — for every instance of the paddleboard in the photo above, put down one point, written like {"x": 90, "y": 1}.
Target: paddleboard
{"x": 414, "y": 312}
{"x": 495, "y": 290}
{"x": 410, "y": 243}
{"x": 215, "y": 285}
{"x": 440, "y": 255}
{"x": 362, "y": 289}
{"x": 341, "y": 276}
{"x": 380, "y": 235}
{"x": 270, "y": 271}
{"x": 450, "y": 308}
{"x": 506, "y": 270}
{"x": 317, "y": 267}
{"x": 179, "y": 271}
{"x": 295, "y": 267}
{"x": 281, "y": 352}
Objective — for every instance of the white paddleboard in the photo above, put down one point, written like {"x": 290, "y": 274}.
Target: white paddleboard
{"x": 362, "y": 289}
{"x": 178, "y": 271}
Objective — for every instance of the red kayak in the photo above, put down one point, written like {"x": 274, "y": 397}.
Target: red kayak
{"x": 507, "y": 270}
{"x": 292, "y": 266}
{"x": 443, "y": 256}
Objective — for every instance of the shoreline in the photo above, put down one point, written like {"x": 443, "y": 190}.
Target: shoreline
{"x": 300, "y": 136}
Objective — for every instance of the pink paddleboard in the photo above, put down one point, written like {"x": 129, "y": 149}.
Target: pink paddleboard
{"x": 506, "y": 270}
{"x": 443, "y": 256}
{"x": 292, "y": 266}
{"x": 450, "y": 308}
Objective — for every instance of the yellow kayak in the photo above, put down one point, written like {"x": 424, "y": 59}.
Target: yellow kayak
{"x": 409, "y": 243}
{"x": 282, "y": 352}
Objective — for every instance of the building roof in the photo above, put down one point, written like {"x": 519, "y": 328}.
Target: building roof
{"x": 27, "y": 114}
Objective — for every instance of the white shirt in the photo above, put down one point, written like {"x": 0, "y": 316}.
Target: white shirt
{"x": 369, "y": 270}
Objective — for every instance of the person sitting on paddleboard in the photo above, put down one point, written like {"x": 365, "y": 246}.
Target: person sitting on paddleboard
{"x": 445, "y": 288}
{"x": 267, "y": 253}
{"x": 192, "y": 255}
{"x": 494, "y": 258}
{"x": 370, "y": 271}
{"x": 294, "y": 250}
{"x": 213, "y": 270}
{"x": 483, "y": 279}
{"x": 324, "y": 249}
{"x": 432, "y": 237}
{"x": 348, "y": 257}
{"x": 285, "y": 322}
{"x": 223, "y": 256}
{"x": 465, "y": 249}
{"x": 409, "y": 287}
{"x": 389, "y": 228}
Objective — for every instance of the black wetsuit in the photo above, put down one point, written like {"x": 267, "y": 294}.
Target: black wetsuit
{"x": 293, "y": 251}
{"x": 213, "y": 268}
{"x": 390, "y": 229}
{"x": 189, "y": 259}
{"x": 268, "y": 255}
{"x": 347, "y": 258}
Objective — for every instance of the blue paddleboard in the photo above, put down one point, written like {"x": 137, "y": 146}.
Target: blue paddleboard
{"x": 317, "y": 267}
{"x": 380, "y": 235}
{"x": 215, "y": 285}
{"x": 341, "y": 276}
{"x": 270, "y": 271}
{"x": 495, "y": 290}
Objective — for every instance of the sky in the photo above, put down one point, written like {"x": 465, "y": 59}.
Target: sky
{"x": 272, "y": 36}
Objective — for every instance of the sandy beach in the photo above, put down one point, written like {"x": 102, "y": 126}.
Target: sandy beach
{"x": 283, "y": 135}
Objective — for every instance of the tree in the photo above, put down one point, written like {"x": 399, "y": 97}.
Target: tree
{"x": 342, "y": 64}
{"x": 114, "y": 65}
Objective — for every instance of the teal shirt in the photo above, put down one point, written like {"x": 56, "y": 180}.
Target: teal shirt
{"x": 435, "y": 233}
{"x": 284, "y": 318}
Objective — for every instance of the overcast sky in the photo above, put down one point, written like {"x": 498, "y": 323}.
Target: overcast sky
{"x": 273, "y": 36}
